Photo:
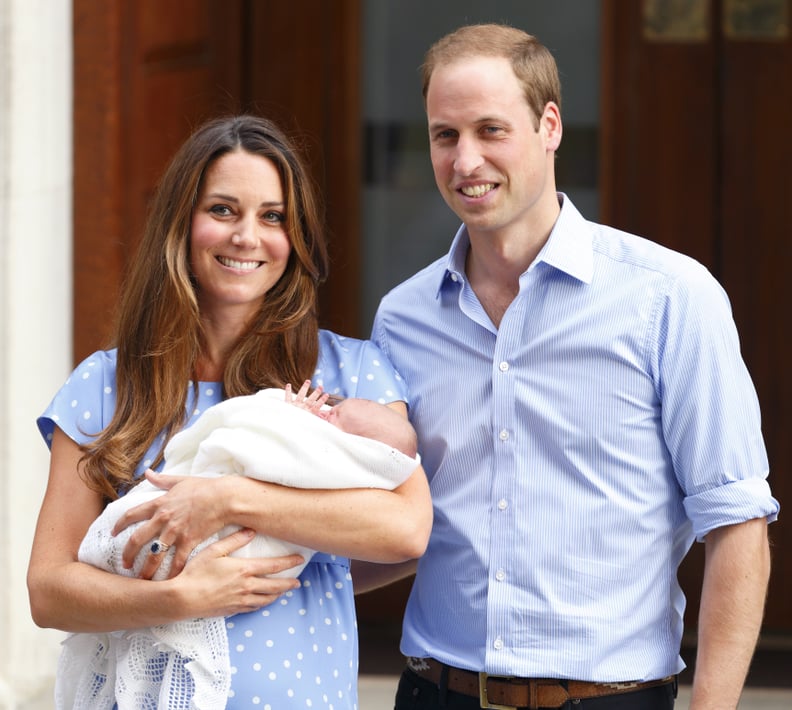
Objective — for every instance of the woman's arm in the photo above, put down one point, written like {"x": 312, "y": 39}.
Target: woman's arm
{"x": 363, "y": 523}
{"x": 72, "y": 596}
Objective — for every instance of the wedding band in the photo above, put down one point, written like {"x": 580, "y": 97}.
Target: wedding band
{"x": 158, "y": 547}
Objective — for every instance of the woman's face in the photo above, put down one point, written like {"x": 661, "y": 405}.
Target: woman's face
{"x": 239, "y": 247}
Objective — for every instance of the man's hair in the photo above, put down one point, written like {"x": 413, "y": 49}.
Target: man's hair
{"x": 532, "y": 63}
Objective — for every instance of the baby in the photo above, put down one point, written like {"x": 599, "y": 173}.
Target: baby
{"x": 356, "y": 443}
{"x": 362, "y": 417}
{"x": 264, "y": 436}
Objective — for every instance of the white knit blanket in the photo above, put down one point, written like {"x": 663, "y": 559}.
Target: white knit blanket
{"x": 185, "y": 664}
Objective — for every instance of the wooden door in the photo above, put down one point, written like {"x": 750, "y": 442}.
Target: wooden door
{"x": 146, "y": 72}
{"x": 696, "y": 146}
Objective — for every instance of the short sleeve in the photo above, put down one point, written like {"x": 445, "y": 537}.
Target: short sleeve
{"x": 85, "y": 403}
{"x": 349, "y": 367}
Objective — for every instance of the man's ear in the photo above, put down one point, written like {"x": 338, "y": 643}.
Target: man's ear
{"x": 550, "y": 124}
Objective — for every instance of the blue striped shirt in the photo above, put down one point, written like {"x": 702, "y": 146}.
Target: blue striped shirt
{"x": 574, "y": 453}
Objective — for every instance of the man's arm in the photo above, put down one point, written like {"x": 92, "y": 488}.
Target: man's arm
{"x": 736, "y": 573}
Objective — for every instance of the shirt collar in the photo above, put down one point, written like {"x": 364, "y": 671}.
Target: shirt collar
{"x": 569, "y": 248}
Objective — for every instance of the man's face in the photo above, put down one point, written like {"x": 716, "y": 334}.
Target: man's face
{"x": 492, "y": 158}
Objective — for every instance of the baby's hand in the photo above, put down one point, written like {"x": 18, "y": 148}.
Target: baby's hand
{"x": 312, "y": 402}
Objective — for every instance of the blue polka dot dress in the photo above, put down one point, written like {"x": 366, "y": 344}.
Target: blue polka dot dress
{"x": 301, "y": 651}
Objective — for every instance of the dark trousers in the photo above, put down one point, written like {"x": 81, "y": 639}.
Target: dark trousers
{"x": 416, "y": 693}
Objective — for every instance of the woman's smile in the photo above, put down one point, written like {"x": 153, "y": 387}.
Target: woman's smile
{"x": 239, "y": 265}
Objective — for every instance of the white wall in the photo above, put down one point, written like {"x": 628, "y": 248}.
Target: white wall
{"x": 35, "y": 310}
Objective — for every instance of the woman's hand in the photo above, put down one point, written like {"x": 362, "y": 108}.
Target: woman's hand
{"x": 191, "y": 510}
{"x": 218, "y": 585}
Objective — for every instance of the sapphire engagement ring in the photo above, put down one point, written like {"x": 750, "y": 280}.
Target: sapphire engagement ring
{"x": 158, "y": 547}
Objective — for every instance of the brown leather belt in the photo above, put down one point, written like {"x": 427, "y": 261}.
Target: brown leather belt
{"x": 508, "y": 693}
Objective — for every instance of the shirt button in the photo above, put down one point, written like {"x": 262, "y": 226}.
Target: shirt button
{"x": 454, "y": 277}
{"x": 503, "y": 366}
{"x": 498, "y": 644}
{"x": 500, "y": 575}
{"x": 502, "y": 504}
{"x": 504, "y": 434}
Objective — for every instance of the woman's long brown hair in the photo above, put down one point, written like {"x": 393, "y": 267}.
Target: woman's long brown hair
{"x": 158, "y": 329}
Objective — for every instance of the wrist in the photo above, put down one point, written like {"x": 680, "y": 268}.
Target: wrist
{"x": 237, "y": 496}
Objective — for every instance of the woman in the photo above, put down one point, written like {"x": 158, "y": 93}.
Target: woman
{"x": 220, "y": 302}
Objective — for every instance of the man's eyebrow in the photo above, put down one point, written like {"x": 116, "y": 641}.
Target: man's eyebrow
{"x": 438, "y": 125}
{"x": 493, "y": 119}
{"x": 483, "y": 120}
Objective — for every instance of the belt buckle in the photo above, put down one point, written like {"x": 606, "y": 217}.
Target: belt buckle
{"x": 484, "y": 701}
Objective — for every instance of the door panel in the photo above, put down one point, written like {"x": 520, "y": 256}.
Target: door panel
{"x": 302, "y": 69}
{"x": 659, "y": 148}
{"x": 144, "y": 74}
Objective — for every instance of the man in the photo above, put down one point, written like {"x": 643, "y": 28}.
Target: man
{"x": 583, "y": 414}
